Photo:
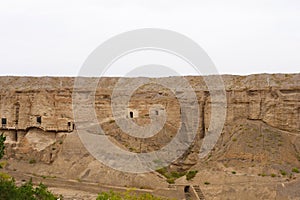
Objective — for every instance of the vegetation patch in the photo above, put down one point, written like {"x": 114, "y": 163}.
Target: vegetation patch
{"x": 129, "y": 195}
{"x": 282, "y": 172}
{"x": 9, "y": 190}
{"x": 32, "y": 161}
{"x": 170, "y": 175}
{"x": 295, "y": 170}
{"x": 191, "y": 174}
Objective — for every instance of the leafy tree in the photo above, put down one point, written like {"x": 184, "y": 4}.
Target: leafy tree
{"x": 9, "y": 190}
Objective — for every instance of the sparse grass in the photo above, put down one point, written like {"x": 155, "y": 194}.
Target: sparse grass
{"x": 32, "y": 161}
{"x": 3, "y": 164}
{"x": 79, "y": 180}
{"x": 5, "y": 176}
{"x": 171, "y": 176}
{"x": 283, "y": 173}
{"x": 295, "y": 170}
{"x": 177, "y": 174}
{"x": 298, "y": 157}
{"x": 171, "y": 180}
{"x": 191, "y": 174}
{"x": 234, "y": 139}
{"x": 128, "y": 195}
{"x": 162, "y": 171}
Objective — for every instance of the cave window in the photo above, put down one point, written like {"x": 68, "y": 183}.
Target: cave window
{"x": 39, "y": 119}
{"x": 156, "y": 112}
{"x": 4, "y": 122}
{"x": 71, "y": 126}
{"x": 131, "y": 114}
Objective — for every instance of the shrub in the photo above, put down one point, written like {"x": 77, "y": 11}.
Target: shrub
{"x": 295, "y": 170}
{"x": 32, "y": 161}
{"x": 233, "y": 172}
{"x": 9, "y": 190}
{"x": 206, "y": 183}
{"x": 191, "y": 174}
{"x": 283, "y": 173}
{"x": 273, "y": 175}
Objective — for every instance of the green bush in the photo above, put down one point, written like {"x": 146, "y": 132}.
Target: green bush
{"x": 191, "y": 174}
{"x": 129, "y": 195}
{"x": 9, "y": 190}
{"x": 295, "y": 170}
{"x": 283, "y": 173}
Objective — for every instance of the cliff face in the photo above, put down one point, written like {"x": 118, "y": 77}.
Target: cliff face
{"x": 37, "y": 116}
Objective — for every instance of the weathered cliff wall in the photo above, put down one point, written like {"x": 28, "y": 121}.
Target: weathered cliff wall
{"x": 36, "y": 115}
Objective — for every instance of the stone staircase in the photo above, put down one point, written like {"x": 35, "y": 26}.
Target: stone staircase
{"x": 198, "y": 192}
{"x": 193, "y": 193}
{"x": 188, "y": 196}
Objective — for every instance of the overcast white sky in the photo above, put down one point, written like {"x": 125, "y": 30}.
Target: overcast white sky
{"x": 53, "y": 38}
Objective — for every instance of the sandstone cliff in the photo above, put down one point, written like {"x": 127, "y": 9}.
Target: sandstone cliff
{"x": 261, "y": 131}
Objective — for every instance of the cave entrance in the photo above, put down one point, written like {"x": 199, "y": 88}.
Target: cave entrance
{"x": 131, "y": 114}
{"x": 3, "y": 122}
{"x": 187, "y": 189}
{"x": 39, "y": 120}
